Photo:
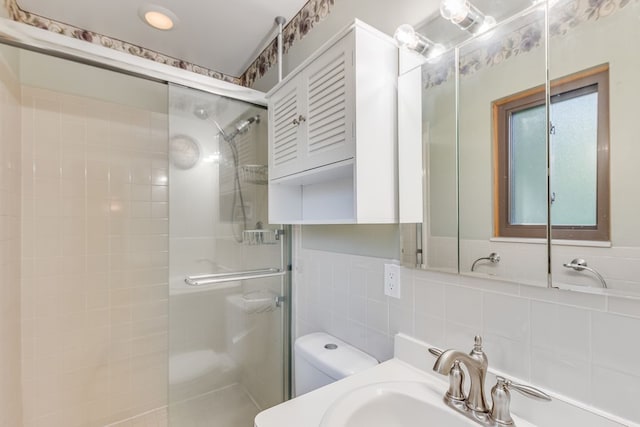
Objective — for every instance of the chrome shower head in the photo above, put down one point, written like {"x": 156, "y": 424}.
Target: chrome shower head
{"x": 243, "y": 126}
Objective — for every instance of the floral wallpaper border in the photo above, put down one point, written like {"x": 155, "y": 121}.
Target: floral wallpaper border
{"x": 311, "y": 13}
{"x": 567, "y": 16}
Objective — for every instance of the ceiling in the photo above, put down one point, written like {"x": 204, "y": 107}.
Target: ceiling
{"x": 220, "y": 35}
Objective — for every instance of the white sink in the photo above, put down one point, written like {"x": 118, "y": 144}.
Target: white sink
{"x": 396, "y": 403}
{"x": 405, "y": 392}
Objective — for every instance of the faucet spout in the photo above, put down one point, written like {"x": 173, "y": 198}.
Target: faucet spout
{"x": 476, "y": 366}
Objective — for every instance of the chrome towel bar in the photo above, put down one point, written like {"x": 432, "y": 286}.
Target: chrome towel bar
{"x": 579, "y": 264}
{"x": 208, "y": 279}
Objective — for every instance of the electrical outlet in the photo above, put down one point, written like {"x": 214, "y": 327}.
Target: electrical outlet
{"x": 392, "y": 280}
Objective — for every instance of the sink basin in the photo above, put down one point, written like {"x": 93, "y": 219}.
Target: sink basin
{"x": 393, "y": 404}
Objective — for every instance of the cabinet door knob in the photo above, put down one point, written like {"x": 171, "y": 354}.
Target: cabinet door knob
{"x": 299, "y": 120}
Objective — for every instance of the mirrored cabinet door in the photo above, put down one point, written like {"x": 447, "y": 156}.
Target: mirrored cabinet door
{"x": 433, "y": 126}
{"x": 529, "y": 148}
{"x": 502, "y": 151}
{"x": 594, "y": 150}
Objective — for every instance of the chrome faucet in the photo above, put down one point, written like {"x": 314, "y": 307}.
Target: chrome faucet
{"x": 476, "y": 363}
{"x": 474, "y": 406}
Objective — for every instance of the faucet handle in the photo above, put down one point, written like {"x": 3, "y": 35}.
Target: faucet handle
{"x": 527, "y": 390}
{"x": 435, "y": 351}
{"x": 456, "y": 384}
{"x": 500, "y": 411}
{"x": 456, "y": 379}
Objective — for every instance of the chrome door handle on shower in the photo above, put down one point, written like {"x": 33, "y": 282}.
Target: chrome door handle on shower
{"x": 299, "y": 120}
{"x": 209, "y": 279}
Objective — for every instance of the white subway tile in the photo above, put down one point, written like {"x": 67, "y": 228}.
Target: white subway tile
{"x": 429, "y": 298}
{"x": 429, "y": 329}
{"x": 615, "y": 343}
{"x": 561, "y": 373}
{"x": 616, "y": 392}
{"x": 508, "y": 355}
{"x": 463, "y": 305}
{"x": 378, "y": 316}
{"x": 563, "y": 329}
{"x": 400, "y": 320}
{"x": 358, "y": 309}
{"x": 624, "y": 306}
{"x": 506, "y": 316}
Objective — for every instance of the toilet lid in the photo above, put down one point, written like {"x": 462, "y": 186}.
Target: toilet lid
{"x": 332, "y": 356}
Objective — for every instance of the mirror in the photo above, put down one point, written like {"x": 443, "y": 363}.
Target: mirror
{"x": 493, "y": 212}
{"x": 596, "y": 39}
{"x": 498, "y": 70}
{"x": 435, "y": 240}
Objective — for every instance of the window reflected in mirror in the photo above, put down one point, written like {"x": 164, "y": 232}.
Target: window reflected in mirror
{"x": 578, "y": 159}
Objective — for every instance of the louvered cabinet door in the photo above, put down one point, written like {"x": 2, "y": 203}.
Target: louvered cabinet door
{"x": 328, "y": 95}
{"x": 284, "y": 112}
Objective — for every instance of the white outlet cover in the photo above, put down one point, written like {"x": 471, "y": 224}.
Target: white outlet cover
{"x": 392, "y": 280}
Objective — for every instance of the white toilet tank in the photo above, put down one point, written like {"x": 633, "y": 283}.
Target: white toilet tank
{"x": 321, "y": 359}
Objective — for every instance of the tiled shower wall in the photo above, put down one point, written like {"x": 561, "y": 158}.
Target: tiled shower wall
{"x": 94, "y": 260}
{"x": 578, "y": 345}
{"x": 10, "y": 407}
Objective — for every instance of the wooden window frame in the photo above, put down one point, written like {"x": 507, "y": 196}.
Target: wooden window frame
{"x": 503, "y": 109}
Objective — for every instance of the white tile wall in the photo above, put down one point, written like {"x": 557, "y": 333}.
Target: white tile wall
{"x": 582, "y": 346}
{"x": 10, "y": 170}
{"x": 94, "y": 259}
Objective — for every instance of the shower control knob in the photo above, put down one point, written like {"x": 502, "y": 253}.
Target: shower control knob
{"x": 299, "y": 120}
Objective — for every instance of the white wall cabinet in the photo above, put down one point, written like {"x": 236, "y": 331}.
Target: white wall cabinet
{"x": 332, "y": 134}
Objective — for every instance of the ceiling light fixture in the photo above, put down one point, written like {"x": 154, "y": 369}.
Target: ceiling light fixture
{"x": 158, "y": 17}
{"x": 466, "y": 16}
{"x": 407, "y": 38}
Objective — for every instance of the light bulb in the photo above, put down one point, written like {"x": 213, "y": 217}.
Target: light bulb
{"x": 466, "y": 16}
{"x": 157, "y": 17}
{"x": 158, "y": 20}
{"x": 454, "y": 10}
{"x": 405, "y": 36}
{"x": 488, "y": 23}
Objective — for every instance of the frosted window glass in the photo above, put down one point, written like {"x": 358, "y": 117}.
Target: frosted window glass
{"x": 574, "y": 156}
{"x": 528, "y": 181}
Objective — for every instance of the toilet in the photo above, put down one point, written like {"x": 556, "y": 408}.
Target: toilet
{"x": 321, "y": 359}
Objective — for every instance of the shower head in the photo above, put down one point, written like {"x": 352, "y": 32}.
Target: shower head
{"x": 241, "y": 127}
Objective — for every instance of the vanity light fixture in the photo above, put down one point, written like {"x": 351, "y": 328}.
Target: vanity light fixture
{"x": 158, "y": 17}
{"x": 406, "y": 37}
{"x": 466, "y": 16}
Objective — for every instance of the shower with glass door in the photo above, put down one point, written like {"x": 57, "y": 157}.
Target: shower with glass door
{"x": 228, "y": 265}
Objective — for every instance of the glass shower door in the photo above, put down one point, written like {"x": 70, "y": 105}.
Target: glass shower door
{"x": 227, "y": 265}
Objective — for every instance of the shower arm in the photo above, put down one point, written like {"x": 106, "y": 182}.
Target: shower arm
{"x": 579, "y": 264}
{"x": 280, "y": 21}
{"x": 494, "y": 257}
